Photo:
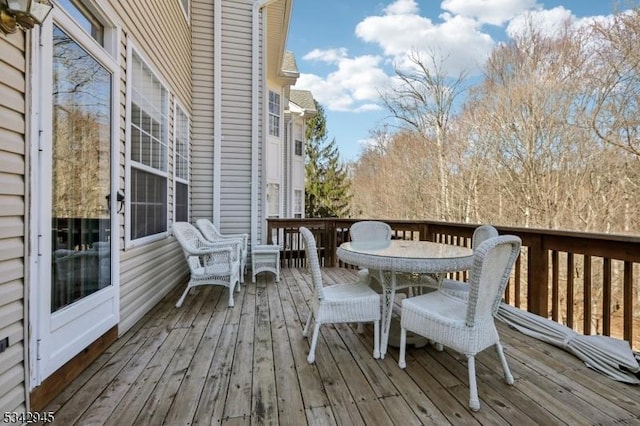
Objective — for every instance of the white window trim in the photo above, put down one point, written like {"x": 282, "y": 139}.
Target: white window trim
{"x": 178, "y": 107}
{"x": 128, "y": 242}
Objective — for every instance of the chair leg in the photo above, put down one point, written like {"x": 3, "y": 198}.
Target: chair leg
{"x": 184, "y": 294}
{"x": 314, "y": 340}
{"x": 474, "y": 402}
{"x": 231, "y": 296}
{"x": 305, "y": 330}
{"x": 508, "y": 377}
{"x": 403, "y": 348}
{"x": 376, "y": 339}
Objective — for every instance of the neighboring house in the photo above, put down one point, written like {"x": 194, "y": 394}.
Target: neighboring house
{"x": 117, "y": 119}
{"x": 301, "y": 108}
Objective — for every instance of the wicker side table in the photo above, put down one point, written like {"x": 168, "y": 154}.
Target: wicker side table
{"x": 265, "y": 258}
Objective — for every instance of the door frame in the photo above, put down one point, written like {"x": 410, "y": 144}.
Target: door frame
{"x": 38, "y": 305}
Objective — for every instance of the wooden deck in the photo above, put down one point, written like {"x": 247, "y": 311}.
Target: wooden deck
{"x": 208, "y": 364}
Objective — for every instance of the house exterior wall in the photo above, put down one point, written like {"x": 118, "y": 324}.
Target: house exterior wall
{"x": 236, "y": 116}
{"x": 182, "y": 57}
{"x": 13, "y": 176}
{"x": 203, "y": 78}
{"x": 161, "y": 34}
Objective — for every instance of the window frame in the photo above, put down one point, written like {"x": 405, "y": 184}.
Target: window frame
{"x": 298, "y": 203}
{"x": 271, "y": 203}
{"x": 131, "y": 164}
{"x": 275, "y": 113}
{"x": 180, "y": 180}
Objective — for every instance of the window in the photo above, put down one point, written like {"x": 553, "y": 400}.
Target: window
{"x": 298, "y": 147}
{"x": 148, "y": 131}
{"x": 298, "y": 204}
{"x": 83, "y": 17}
{"x": 274, "y": 113}
{"x": 273, "y": 200}
{"x": 181, "y": 195}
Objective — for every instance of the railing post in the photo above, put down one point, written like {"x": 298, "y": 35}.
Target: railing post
{"x": 330, "y": 248}
{"x": 538, "y": 277}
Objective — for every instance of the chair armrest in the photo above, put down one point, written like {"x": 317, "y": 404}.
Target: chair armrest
{"x": 243, "y": 237}
{"x": 209, "y": 249}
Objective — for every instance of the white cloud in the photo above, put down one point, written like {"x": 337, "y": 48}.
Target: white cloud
{"x": 548, "y": 22}
{"x": 352, "y": 87}
{"x": 402, "y": 7}
{"x": 329, "y": 55}
{"x": 494, "y": 12}
{"x": 458, "y": 39}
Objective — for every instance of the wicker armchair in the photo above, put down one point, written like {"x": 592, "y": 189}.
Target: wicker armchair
{"x": 480, "y": 234}
{"x": 466, "y": 326}
{"x": 209, "y": 263}
{"x": 212, "y": 234}
{"x": 338, "y": 303}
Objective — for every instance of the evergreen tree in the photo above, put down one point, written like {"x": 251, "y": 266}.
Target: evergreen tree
{"x": 326, "y": 186}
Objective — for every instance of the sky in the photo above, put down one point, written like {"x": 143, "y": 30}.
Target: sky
{"x": 346, "y": 50}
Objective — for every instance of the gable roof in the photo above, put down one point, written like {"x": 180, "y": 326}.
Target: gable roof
{"x": 304, "y": 100}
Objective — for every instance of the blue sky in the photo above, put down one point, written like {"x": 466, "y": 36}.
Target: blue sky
{"x": 345, "y": 49}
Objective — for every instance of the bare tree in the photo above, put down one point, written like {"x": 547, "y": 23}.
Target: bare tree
{"x": 423, "y": 102}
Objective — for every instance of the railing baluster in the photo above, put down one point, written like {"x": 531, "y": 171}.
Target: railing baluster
{"x": 606, "y": 297}
{"x": 555, "y": 261}
{"x": 627, "y": 291}
{"x": 517, "y": 301}
{"x": 587, "y": 296}
{"x": 570, "y": 266}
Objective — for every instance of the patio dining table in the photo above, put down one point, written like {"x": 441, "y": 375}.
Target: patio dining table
{"x": 385, "y": 260}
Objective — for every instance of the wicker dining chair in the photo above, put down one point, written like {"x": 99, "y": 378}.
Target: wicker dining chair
{"x": 209, "y": 263}
{"x": 211, "y": 233}
{"x": 461, "y": 288}
{"x": 466, "y": 326}
{"x": 370, "y": 233}
{"x": 338, "y": 303}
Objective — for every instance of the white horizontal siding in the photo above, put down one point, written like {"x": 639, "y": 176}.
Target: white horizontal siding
{"x": 161, "y": 34}
{"x": 147, "y": 274}
{"x": 203, "y": 111}
{"x": 12, "y": 221}
{"x": 235, "y": 203}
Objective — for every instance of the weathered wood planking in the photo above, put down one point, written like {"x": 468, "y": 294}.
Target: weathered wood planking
{"x": 206, "y": 363}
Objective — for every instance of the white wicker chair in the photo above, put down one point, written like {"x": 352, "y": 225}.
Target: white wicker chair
{"x": 212, "y": 234}
{"x": 209, "y": 263}
{"x": 338, "y": 303}
{"x": 480, "y": 234}
{"x": 370, "y": 233}
{"x": 466, "y": 326}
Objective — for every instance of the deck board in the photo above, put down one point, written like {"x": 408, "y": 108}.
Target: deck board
{"x": 206, "y": 363}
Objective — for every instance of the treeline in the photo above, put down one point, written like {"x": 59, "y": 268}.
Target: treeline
{"x": 549, "y": 137}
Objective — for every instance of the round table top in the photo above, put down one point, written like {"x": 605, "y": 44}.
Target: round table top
{"x": 407, "y": 256}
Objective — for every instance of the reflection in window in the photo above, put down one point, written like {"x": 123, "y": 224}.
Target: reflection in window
{"x": 298, "y": 203}
{"x": 83, "y": 17}
{"x": 274, "y": 113}
{"x": 273, "y": 200}
{"x": 181, "y": 166}
{"x": 81, "y": 177}
{"x": 148, "y": 131}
